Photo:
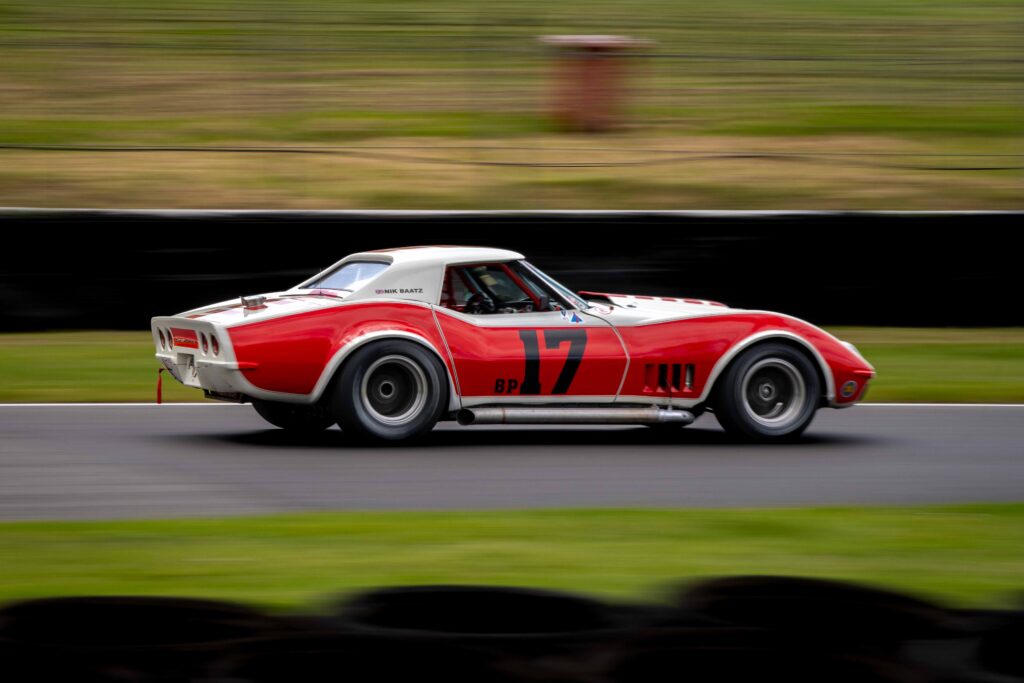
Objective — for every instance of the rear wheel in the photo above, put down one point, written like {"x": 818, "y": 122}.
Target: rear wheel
{"x": 390, "y": 390}
{"x": 769, "y": 393}
{"x": 293, "y": 417}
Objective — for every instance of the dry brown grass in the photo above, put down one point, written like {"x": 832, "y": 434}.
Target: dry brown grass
{"x": 623, "y": 171}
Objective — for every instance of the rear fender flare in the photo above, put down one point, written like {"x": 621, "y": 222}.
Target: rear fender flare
{"x": 351, "y": 345}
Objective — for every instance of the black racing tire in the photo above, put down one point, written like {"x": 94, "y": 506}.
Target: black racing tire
{"x": 769, "y": 393}
{"x": 294, "y": 417}
{"x": 390, "y": 390}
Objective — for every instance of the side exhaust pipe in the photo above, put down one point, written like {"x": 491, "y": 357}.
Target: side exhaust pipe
{"x": 573, "y": 415}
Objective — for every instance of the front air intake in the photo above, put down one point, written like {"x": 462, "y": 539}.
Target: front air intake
{"x": 668, "y": 378}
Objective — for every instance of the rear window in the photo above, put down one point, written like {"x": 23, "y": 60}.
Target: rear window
{"x": 349, "y": 276}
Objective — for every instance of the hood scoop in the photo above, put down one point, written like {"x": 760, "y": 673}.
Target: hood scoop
{"x": 254, "y": 303}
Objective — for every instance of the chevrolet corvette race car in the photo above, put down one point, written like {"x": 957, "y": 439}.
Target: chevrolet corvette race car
{"x": 387, "y": 343}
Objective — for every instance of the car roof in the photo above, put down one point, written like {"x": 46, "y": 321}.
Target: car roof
{"x": 415, "y": 273}
{"x": 439, "y": 254}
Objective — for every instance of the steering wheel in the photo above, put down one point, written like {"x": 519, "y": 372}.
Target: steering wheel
{"x": 479, "y": 303}
{"x": 525, "y": 305}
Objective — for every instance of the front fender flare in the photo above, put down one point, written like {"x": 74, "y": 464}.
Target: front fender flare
{"x": 764, "y": 335}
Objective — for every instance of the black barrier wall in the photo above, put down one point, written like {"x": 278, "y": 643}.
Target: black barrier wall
{"x": 95, "y": 269}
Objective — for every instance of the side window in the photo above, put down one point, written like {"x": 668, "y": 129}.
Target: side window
{"x": 540, "y": 290}
{"x": 492, "y": 288}
{"x": 349, "y": 276}
{"x": 455, "y": 292}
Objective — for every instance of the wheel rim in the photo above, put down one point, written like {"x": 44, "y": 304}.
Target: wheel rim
{"x": 774, "y": 392}
{"x": 394, "y": 390}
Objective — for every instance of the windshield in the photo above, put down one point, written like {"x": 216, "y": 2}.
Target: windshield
{"x": 349, "y": 276}
{"x": 564, "y": 291}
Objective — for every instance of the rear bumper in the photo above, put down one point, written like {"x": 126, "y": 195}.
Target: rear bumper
{"x": 217, "y": 376}
{"x": 198, "y": 354}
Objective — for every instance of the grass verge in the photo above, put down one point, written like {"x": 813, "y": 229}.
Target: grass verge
{"x": 919, "y": 364}
{"x": 965, "y": 554}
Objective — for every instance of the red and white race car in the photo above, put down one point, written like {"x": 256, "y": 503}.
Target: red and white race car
{"x": 386, "y": 343}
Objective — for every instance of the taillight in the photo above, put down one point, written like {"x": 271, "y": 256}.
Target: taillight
{"x": 205, "y": 342}
{"x": 163, "y": 339}
{"x": 215, "y": 344}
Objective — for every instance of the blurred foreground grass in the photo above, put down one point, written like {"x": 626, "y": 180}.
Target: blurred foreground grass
{"x": 969, "y": 554}
{"x": 913, "y": 364}
{"x": 441, "y": 104}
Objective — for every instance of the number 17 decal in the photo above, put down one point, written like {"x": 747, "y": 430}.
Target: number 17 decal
{"x": 553, "y": 338}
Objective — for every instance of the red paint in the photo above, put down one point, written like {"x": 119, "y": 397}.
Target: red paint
{"x": 289, "y": 354}
{"x": 703, "y": 341}
{"x": 699, "y": 341}
{"x": 485, "y": 354}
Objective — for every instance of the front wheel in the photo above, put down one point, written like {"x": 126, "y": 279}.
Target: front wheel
{"x": 390, "y": 390}
{"x": 769, "y": 393}
{"x": 293, "y": 417}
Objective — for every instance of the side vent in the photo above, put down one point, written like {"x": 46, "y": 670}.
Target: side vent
{"x": 668, "y": 378}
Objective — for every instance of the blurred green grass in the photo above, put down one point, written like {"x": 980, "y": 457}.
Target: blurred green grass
{"x": 913, "y": 364}
{"x": 943, "y": 365}
{"x": 973, "y": 555}
{"x": 83, "y": 367}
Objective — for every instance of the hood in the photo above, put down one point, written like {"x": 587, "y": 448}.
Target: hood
{"x": 653, "y": 308}
{"x": 277, "y": 304}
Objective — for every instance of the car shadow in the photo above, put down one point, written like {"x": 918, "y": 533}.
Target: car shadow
{"x": 501, "y": 438}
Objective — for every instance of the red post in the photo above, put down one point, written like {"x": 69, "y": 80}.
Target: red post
{"x": 590, "y": 80}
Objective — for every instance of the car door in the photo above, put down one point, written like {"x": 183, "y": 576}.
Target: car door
{"x": 527, "y": 345}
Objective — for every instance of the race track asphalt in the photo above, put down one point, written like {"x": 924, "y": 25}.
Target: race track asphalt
{"x": 137, "y": 461}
